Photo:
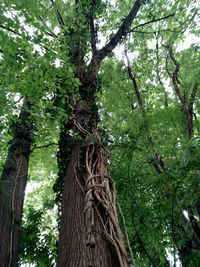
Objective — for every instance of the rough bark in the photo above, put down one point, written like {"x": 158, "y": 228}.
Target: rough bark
{"x": 89, "y": 230}
{"x": 12, "y": 189}
{"x": 182, "y": 99}
{"x": 72, "y": 249}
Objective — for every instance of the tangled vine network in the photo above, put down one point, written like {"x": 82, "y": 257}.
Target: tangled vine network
{"x": 100, "y": 192}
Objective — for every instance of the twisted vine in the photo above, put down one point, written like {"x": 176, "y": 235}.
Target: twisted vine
{"x": 100, "y": 192}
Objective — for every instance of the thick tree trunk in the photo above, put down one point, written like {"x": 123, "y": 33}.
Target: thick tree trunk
{"x": 89, "y": 229}
{"x": 12, "y": 189}
{"x": 72, "y": 249}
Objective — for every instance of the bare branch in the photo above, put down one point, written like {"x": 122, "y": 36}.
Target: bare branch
{"x": 10, "y": 30}
{"x": 122, "y": 31}
{"x": 151, "y": 21}
{"x": 19, "y": 100}
{"x": 178, "y": 92}
{"x": 155, "y": 32}
{"x": 59, "y": 17}
{"x": 44, "y": 146}
{"x": 49, "y": 32}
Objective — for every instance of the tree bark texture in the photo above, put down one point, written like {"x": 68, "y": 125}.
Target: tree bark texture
{"x": 12, "y": 189}
{"x": 89, "y": 228}
{"x": 72, "y": 249}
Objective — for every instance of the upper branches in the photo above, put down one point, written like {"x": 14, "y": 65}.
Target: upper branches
{"x": 182, "y": 99}
{"x": 122, "y": 31}
{"x": 92, "y": 29}
{"x": 59, "y": 17}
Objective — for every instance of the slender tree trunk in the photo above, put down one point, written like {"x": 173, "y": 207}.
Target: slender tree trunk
{"x": 157, "y": 160}
{"x": 12, "y": 189}
{"x": 188, "y": 114}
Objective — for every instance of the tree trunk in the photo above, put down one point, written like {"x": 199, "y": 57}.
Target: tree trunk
{"x": 12, "y": 189}
{"x": 72, "y": 242}
{"x": 89, "y": 228}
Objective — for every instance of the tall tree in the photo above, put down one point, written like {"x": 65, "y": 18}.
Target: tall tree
{"x": 12, "y": 187}
{"x": 89, "y": 223}
{"x": 68, "y": 33}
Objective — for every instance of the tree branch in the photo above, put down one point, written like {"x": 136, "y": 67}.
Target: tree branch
{"x": 108, "y": 48}
{"x": 159, "y": 164}
{"x": 178, "y": 92}
{"x": 122, "y": 31}
{"x": 151, "y": 21}
{"x": 92, "y": 32}
{"x": 49, "y": 32}
{"x": 137, "y": 234}
{"x": 18, "y": 100}
{"x": 10, "y": 30}
{"x": 59, "y": 17}
{"x": 155, "y": 32}
{"x": 192, "y": 97}
{"x": 44, "y": 146}
{"x": 132, "y": 77}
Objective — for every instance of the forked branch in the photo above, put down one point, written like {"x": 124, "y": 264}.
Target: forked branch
{"x": 114, "y": 41}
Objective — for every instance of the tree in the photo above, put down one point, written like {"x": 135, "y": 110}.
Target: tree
{"x": 13, "y": 183}
{"x": 89, "y": 222}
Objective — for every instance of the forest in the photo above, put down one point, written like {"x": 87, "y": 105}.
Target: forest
{"x": 99, "y": 133}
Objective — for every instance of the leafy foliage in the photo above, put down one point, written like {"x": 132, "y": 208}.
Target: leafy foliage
{"x": 37, "y": 55}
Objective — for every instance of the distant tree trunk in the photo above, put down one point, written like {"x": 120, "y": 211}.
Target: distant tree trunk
{"x": 89, "y": 230}
{"x": 12, "y": 188}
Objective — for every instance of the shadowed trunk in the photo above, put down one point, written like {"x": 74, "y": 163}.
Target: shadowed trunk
{"x": 89, "y": 230}
{"x": 12, "y": 189}
{"x": 72, "y": 249}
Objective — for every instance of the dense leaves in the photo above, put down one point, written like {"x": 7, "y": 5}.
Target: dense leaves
{"x": 37, "y": 51}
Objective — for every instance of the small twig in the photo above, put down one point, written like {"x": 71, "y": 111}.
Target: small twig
{"x": 154, "y": 32}
{"x": 10, "y": 30}
{"x": 18, "y": 100}
{"x": 59, "y": 17}
{"x": 49, "y": 32}
{"x": 44, "y": 146}
{"x": 151, "y": 21}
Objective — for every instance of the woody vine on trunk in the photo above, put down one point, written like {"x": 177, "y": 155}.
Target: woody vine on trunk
{"x": 89, "y": 229}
